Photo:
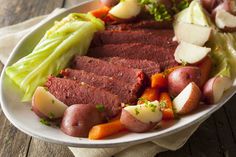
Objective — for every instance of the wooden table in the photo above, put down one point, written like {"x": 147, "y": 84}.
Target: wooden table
{"x": 215, "y": 138}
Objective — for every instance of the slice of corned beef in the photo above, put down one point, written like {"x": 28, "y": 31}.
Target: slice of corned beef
{"x": 141, "y": 24}
{"x": 148, "y": 67}
{"x": 73, "y": 92}
{"x": 161, "y": 38}
{"x": 160, "y": 55}
{"x": 104, "y": 68}
{"x": 126, "y": 92}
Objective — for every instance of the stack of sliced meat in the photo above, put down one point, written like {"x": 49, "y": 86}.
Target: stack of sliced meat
{"x": 139, "y": 44}
{"x": 120, "y": 60}
{"x": 96, "y": 81}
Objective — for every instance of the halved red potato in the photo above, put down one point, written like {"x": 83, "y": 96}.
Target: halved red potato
{"x": 188, "y": 99}
{"x": 208, "y": 4}
{"x": 199, "y": 34}
{"x": 78, "y": 119}
{"x": 109, "y": 3}
{"x": 189, "y": 53}
{"x": 225, "y": 21}
{"x": 215, "y": 87}
{"x": 46, "y": 105}
{"x": 226, "y": 5}
{"x": 141, "y": 118}
{"x": 126, "y": 9}
{"x": 181, "y": 77}
{"x": 205, "y": 67}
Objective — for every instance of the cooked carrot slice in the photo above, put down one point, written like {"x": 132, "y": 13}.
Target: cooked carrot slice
{"x": 168, "y": 114}
{"x": 166, "y": 106}
{"x": 150, "y": 94}
{"x": 106, "y": 129}
{"x": 101, "y": 12}
{"x": 159, "y": 80}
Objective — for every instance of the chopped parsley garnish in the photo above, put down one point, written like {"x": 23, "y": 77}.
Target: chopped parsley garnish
{"x": 44, "y": 122}
{"x": 53, "y": 101}
{"x": 177, "y": 7}
{"x": 158, "y": 10}
{"x": 153, "y": 107}
{"x": 51, "y": 115}
{"x": 136, "y": 111}
{"x": 143, "y": 100}
{"x": 162, "y": 104}
{"x": 100, "y": 107}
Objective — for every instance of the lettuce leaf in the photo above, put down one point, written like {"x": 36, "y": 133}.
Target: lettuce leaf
{"x": 69, "y": 37}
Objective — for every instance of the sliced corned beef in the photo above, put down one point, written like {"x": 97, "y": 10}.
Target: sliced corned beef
{"x": 148, "y": 67}
{"x": 126, "y": 92}
{"x": 161, "y": 55}
{"x": 73, "y": 92}
{"x": 141, "y": 24}
{"x": 161, "y": 38}
{"x": 104, "y": 68}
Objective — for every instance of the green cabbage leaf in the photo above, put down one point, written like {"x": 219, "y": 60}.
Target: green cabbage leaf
{"x": 69, "y": 37}
{"x": 223, "y": 45}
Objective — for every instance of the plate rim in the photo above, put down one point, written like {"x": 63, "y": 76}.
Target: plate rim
{"x": 89, "y": 144}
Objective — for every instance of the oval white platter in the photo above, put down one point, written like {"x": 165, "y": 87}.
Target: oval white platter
{"x": 21, "y": 116}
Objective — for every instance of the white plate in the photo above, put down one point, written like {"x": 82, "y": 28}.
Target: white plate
{"x": 20, "y": 115}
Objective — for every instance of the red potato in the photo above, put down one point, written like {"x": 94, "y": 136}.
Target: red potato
{"x": 208, "y": 4}
{"x": 199, "y": 35}
{"x": 46, "y": 105}
{"x": 78, "y": 119}
{"x": 188, "y": 99}
{"x": 205, "y": 67}
{"x": 109, "y": 3}
{"x": 141, "y": 118}
{"x": 127, "y": 9}
{"x": 225, "y": 21}
{"x": 215, "y": 87}
{"x": 133, "y": 124}
{"x": 189, "y": 53}
{"x": 226, "y": 5}
{"x": 181, "y": 77}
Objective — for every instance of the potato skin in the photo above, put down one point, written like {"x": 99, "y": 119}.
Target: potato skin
{"x": 38, "y": 113}
{"x": 109, "y": 3}
{"x": 208, "y": 91}
{"x": 181, "y": 77}
{"x": 193, "y": 100}
{"x": 133, "y": 124}
{"x": 78, "y": 119}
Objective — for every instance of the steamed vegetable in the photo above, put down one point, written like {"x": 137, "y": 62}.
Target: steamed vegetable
{"x": 166, "y": 106}
{"x": 162, "y": 10}
{"x": 157, "y": 10}
{"x": 223, "y": 46}
{"x": 106, "y": 129}
{"x": 70, "y": 36}
{"x": 142, "y": 117}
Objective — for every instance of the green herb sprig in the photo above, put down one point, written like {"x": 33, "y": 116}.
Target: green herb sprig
{"x": 158, "y": 10}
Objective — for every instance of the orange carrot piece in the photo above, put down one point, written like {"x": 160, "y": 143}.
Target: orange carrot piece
{"x": 101, "y": 12}
{"x": 165, "y": 97}
{"x": 106, "y": 129}
{"x": 159, "y": 80}
{"x": 168, "y": 114}
{"x": 166, "y": 106}
{"x": 150, "y": 94}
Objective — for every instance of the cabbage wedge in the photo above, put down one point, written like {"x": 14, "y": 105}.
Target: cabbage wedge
{"x": 223, "y": 45}
{"x": 69, "y": 37}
